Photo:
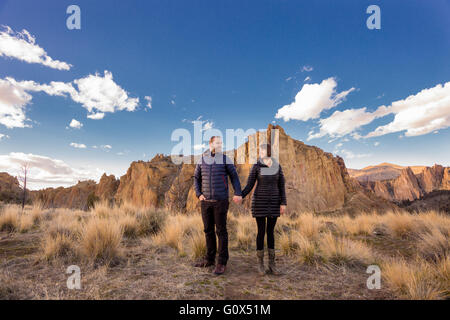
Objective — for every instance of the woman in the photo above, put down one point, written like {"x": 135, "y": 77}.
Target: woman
{"x": 268, "y": 202}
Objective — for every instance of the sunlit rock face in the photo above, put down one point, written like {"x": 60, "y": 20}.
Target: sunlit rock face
{"x": 316, "y": 181}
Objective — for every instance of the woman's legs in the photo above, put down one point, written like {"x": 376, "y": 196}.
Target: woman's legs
{"x": 271, "y": 221}
{"x": 271, "y": 244}
{"x": 261, "y": 222}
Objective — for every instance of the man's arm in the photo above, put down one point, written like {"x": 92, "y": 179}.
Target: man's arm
{"x": 231, "y": 170}
{"x": 198, "y": 179}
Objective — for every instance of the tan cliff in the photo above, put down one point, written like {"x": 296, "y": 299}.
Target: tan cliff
{"x": 10, "y": 190}
{"x": 410, "y": 185}
{"x": 316, "y": 181}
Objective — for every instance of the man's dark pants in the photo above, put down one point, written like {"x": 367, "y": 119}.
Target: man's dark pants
{"x": 214, "y": 213}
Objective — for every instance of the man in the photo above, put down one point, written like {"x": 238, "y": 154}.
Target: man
{"x": 211, "y": 187}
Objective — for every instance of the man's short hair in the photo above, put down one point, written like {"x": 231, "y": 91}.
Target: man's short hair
{"x": 211, "y": 140}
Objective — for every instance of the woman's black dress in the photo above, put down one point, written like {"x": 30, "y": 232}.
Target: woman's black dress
{"x": 270, "y": 190}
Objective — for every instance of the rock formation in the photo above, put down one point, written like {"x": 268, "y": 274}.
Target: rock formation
{"x": 316, "y": 181}
{"x": 411, "y": 186}
{"x": 10, "y": 190}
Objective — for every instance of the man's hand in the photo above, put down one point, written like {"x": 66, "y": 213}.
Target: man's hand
{"x": 282, "y": 209}
{"x": 237, "y": 199}
{"x": 202, "y": 197}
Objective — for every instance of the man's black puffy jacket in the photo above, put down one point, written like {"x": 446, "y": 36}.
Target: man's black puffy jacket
{"x": 211, "y": 176}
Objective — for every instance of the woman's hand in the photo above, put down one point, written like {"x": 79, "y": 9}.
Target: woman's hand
{"x": 282, "y": 209}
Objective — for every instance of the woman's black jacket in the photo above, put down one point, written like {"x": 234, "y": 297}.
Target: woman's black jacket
{"x": 270, "y": 190}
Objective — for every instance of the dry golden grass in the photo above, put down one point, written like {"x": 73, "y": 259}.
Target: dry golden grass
{"x": 129, "y": 225}
{"x": 151, "y": 221}
{"x": 177, "y": 229}
{"x": 434, "y": 244}
{"x": 100, "y": 240}
{"x": 58, "y": 246}
{"x": 363, "y": 224}
{"x": 197, "y": 244}
{"x": 27, "y": 222}
{"x": 10, "y": 218}
{"x": 97, "y": 236}
{"x": 245, "y": 232}
{"x": 418, "y": 279}
{"x": 309, "y": 224}
{"x": 102, "y": 209}
{"x": 400, "y": 224}
{"x": 294, "y": 243}
{"x": 65, "y": 224}
{"x": 341, "y": 250}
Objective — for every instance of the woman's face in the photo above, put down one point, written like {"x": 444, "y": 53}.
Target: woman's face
{"x": 262, "y": 152}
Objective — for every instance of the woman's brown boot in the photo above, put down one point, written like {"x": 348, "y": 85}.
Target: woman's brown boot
{"x": 272, "y": 268}
{"x": 260, "y": 255}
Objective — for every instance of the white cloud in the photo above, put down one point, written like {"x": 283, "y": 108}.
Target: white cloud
{"x": 75, "y": 124}
{"x": 22, "y": 46}
{"x": 13, "y": 100}
{"x": 95, "y": 93}
{"x": 106, "y": 147}
{"x": 200, "y": 146}
{"x": 207, "y": 125}
{"x": 376, "y": 144}
{"x": 96, "y": 116}
{"x": 45, "y": 171}
{"x": 418, "y": 114}
{"x": 312, "y": 99}
{"x": 307, "y": 79}
{"x": 307, "y": 68}
{"x": 149, "y": 101}
{"x": 341, "y": 123}
{"x": 78, "y": 145}
{"x": 102, "y": 94}
{"x": 347, "y": 154}
{"x": 3, "y": 136}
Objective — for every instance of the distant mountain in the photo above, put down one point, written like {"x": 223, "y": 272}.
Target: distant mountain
{"x": 409, "y": 184}
{"x": 382, "y": 171}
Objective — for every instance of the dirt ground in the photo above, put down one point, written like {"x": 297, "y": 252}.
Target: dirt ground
{"x": 154, "y": 272}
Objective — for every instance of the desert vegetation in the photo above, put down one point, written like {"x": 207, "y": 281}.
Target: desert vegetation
{"x": 144, "y": 253}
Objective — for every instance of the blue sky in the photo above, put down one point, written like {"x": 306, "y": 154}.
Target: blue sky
{"x": 232, "y": 64}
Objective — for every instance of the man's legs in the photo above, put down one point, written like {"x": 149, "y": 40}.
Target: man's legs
{"x": 220, "y": 216}
{"x": 208, "y": 224}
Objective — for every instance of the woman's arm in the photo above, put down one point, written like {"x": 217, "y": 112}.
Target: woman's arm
{"x": 281, "y": 187}
{"x": 250, "y": 181}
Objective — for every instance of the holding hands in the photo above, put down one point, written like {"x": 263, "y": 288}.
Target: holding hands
{"x": 237, "y": 199}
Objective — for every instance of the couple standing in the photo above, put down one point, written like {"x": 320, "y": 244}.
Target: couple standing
{"x": 211, "y": 188}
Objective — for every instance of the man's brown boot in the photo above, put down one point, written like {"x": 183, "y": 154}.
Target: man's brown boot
{"x": 204, "y": 263}
{"x": 220, "y": 268}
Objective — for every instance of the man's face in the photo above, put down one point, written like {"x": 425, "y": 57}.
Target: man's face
{"x": 216, "y": 145}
